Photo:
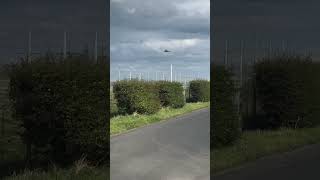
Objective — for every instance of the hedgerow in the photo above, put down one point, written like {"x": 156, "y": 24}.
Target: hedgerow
{"x": 286, "y": 88}
{"x": 113, "y": 105}
{"x": 136, "y": 96}
{"x": 170, "y": 94}
{"x": 62, "y": 106}
{"x": 225, "y": 124}
{"x": 199, "y": 91}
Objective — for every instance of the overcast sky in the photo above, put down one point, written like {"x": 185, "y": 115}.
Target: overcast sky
{"x": 259, "y": 21}
{"x": 48, "y": 19}
{"x": 141, "y": 30}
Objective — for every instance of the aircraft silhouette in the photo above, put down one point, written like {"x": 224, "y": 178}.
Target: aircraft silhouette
{"x": 166, "y": 50}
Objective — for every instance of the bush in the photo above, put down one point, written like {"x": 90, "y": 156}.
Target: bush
{"x": 225, "y": 124}
{"x": 283, "y": 91}
{"x": 136, "y": 96}
{"x": 3, "y": 75}
{"x": 199, "y": 91}
{"x": 113, "y": 105}
{"x": 63, "y": 109}
{"x": 312, "y": 94}
{"x": 170, "y": 94}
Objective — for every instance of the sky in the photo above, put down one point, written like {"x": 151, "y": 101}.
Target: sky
{"x": 142, "y": 30}
{"x": 47, "y": 20}
{"x": 294, "y": 23}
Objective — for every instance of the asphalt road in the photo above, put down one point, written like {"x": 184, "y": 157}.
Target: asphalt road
{"x": 300, "y": 164}
{"x": 177, "y": 149}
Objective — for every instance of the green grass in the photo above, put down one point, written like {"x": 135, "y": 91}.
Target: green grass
{"x": 78, "y": 172}
{"x": 120, "y": 124}
{"x": 86, "y": 174}
{"x": 257, "y": 144}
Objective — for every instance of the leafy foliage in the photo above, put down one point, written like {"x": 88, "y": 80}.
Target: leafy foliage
{"x": 120, "y": 124}
{"x": 199, "y": 91}
{"x": 285, "y": 91}
{"x": 113, "y": 105}
{"x": 225, "y": 124}
{"x": 62, "y": 105}
{"x": 170, "y": 94}
{"x": 136, "y": 96}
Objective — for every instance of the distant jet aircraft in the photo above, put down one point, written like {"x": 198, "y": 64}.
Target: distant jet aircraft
{"x": 166, "y": 50}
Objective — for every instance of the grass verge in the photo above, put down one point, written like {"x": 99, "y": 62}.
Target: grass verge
{"x": 120, "y": 124}
{"x": 79, "y": 173}
{"x": 257, "y": 144}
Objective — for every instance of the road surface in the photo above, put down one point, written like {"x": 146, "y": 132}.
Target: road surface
{"x": 303, "y": 163}
{"x": 177, "y": 149}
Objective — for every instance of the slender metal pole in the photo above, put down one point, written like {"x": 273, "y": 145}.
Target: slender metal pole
{"x": 30, "y": 46}
{"x": 270, "y": 49}
{"x": 226, "y": 54}
{"x": 69, "y": 44}
{"x": 171, "y": 73}
{"x": 65, "y": 45}
{"x": 241, "y": 62}
{"x": 96, "y": 48}
{"x": 264, "y": 49}
{"x": 240, "y": 85}
{"x": 255, "y": 52}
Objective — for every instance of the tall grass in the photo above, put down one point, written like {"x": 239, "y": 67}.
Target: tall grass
{"x": 257, "y": 144}
{"x": 120, "y": 124}
{"x": 80, "y": 171}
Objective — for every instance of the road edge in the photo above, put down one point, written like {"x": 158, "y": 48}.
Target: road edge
{"x": 159, "y": 122}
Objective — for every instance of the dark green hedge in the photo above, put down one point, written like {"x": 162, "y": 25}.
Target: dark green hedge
{"x": 312, "y": 94}
{"x": 170, "y": 94}
{"x": 287, "y": 91}
{"x": 147, "y": 97}
{"x": 63, "y": 109}
{"x": 113, "y": 105}
{"x": 199, "y": 91}
{"x": 225, "y": 124}
{"x": 3, "y": 75}
{"x": 136, "y": 96}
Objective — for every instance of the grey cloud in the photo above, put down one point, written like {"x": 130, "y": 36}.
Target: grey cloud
{"x": 156, "y": 15}
{"x": 265, "y": 20}
{"x": 136, "y": 22}
{"x": 47, "y": 20}
{"x": 265, "y": 7}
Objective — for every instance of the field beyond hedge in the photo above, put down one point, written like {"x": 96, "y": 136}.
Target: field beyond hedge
{"x": 120, "y": 124}
{"x": 257, "y": 144}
